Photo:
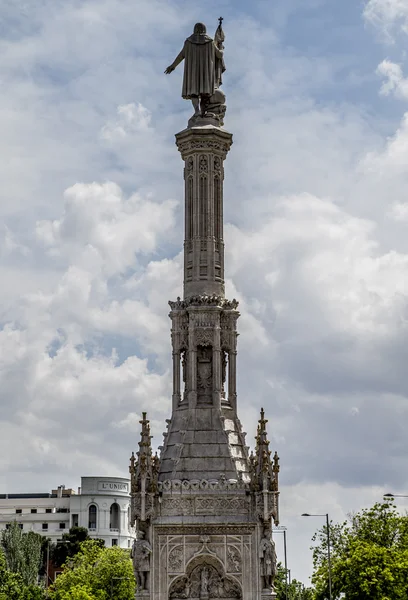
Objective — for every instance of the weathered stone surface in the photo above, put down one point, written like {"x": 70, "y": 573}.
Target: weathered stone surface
{"x": 206, "y": 505}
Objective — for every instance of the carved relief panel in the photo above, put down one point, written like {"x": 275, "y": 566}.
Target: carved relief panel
{"x": 204, "y": 565}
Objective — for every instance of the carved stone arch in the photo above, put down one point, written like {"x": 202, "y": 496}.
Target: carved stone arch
{"x": 205, "y": 577}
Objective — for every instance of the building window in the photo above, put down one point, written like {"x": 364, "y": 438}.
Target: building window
{"x": 92, "y": 516}
{"x": 7, "y": 525}
{"x": 114, "y": 542}
{"x": 20, "y": 525}
{"x": 48, "y": 510}
{"x": 45, "y": 526}
{"x": 18, "y": 511}
{"x": 62, "y": 510}
{"x": 75, "y": 520}
{"x": 33, "y": 511}
{"x": 128, "y": 543}
{"x": 114, "y": 516}
{"x": 62, "y": 525}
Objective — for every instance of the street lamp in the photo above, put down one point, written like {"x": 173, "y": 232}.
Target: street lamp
{"x": 389, "y": 495}
{"x": 281, "y": 529}
{"x": 328, "y": 548}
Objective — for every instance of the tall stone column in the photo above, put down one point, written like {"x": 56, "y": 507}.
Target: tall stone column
{"x": 203, "y": 150}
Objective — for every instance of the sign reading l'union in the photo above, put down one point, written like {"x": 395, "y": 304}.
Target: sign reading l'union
{"x": 112, "y": 486}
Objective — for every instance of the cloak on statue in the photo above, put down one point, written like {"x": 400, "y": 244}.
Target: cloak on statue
{"x": 203, "y": 61}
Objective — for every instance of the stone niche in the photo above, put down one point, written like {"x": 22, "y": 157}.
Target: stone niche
{"x": 205, "y": 578}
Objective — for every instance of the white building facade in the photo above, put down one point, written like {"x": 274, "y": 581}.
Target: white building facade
{"x": 102, "y": 505}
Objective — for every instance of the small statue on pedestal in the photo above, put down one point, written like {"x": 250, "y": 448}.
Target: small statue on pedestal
{"x": 140, "y": 554}
{"x": 203, "y": 68}
{"x": 267, "y": 554}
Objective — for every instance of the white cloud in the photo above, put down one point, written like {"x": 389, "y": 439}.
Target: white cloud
{"x": 387, "y": 15}
{"x": 395, "y": 82}
{"x": 100, "y": 229}
{"x": 399, "y": 211}
{"x": 131, "y": 119}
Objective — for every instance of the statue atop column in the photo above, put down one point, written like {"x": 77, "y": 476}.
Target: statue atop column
{"x": 140, "y": 554}
{"x": 203, "y": 68}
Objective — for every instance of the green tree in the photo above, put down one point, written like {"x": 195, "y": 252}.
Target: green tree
{"x": 96, "y": 573}
{"x": 70, "y": 545}
{"x": 369, "y": 556}
{"x": 12, "y": 586}
{"x": 295, "y": 589}
{"x": 22, "y": 552}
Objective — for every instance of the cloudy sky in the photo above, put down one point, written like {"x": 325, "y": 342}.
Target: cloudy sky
{"x": 316, "y": 238}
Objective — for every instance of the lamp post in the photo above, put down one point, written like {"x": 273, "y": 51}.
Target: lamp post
{"x": 328, "y": 548}
{"x": 389, "y": 495}
{"x": 281, "y": 529}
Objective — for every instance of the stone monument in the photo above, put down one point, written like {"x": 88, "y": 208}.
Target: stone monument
{"x": 205, "y": 506}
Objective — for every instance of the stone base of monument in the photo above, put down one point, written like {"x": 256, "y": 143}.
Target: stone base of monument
{"x": 268, "y": 595}
{"x": 199, "y": 121}
{"x": 142, "y": 594}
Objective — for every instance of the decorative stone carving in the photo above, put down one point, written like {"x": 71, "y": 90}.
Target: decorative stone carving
{"x": 176, "y": 559}
{"x": 140, "y": 554}
{"x": 203, "y": 163}
{"x": 207, "y": 144}
{"x": 190, "y": 164}
{"x": 205, "y": 581}
{"x": 217, "y": 165}
{"x": 201, "y": 300}
{"x": 234, "y": 560}
{"x": 221, "y": 505}
{"x": 203, "y": 337}
{"x": 195, "y": 484}
{"x": 204, "y": 364}
{"x": 181, "y": 588}
{"x": 177, "y": 506}
{"x": 205, "y": 318}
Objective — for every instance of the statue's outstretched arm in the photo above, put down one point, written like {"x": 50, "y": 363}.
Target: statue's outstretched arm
{"x": 175, "y": 63}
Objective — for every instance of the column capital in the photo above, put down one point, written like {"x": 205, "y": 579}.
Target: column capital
{"x": 202, "y": 139}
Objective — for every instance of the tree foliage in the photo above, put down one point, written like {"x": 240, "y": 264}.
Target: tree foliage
{"x": 12, "y": 586}
{"x": 70, "y": 545}
{"x": 369, "y": 556}
{"x": 295, "y": 589}
{"x": 96, "y": 573}
{"x": 22, "y": 552}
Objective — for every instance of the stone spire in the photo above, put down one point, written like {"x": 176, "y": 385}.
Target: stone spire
{"x": 143, "y": 475}
{"x": 265, "y": 475}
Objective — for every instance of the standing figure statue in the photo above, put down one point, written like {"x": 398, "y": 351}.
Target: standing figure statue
{"x": 140, "y": 554}
{"x": 267, "y": 554}
{"x": 203, "y": 68}
{"x": 204, "y": 583}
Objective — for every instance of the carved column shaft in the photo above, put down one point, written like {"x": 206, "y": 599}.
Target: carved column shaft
{"x": 176, "y": 379}
{"x": 232, "y": 378}
{"x": 204, "y": 151}
{"x": 217, "y": 374}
